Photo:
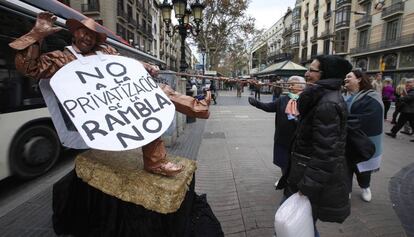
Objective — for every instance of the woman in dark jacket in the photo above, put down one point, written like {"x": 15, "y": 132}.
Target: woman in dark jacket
{"x": 285, "y": 121}
{"x": 318, "y": 168}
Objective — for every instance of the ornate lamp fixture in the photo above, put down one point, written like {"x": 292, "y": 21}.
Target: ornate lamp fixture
{"x": 184, "y": 27}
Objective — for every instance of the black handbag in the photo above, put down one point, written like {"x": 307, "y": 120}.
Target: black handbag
{"x": 359, "y": 147}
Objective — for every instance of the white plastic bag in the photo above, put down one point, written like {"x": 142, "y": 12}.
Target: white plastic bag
{"x": 294, "y": 218}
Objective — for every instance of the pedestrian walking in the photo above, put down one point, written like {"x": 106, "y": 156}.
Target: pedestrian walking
{"x": 239, "y": 86}
{"x": 399, "y": 92}
{"x": 387, "y": 96}
{"x": 285, "y": 109}
{"x": 365, "y": 105}
{"x": 377, "y": 83}
{"x": 257, "y": 87}
{"x": 318, "y": 167}
{"x": 407, "y": 110}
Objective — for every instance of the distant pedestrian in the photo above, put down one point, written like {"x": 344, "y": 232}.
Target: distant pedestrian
{"x": 257, "y": 87}
{"x": 193, "y": 88}
{"x": 407, "y": 109}
{"x": 399, "y": 92}
{"x": 239, "y": 86}
{"x": 277, "y": 88}
{"x": 318, "y": 168}
{"x": 365, "y": 105}
{"x": 213, "y": 91}
{"x": 387, "y": 96}
{"x": 377, "y": 83}
{"x": 285, "y": 120}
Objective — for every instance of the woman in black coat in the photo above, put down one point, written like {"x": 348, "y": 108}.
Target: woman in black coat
{"x": 318, "y": 168}
{"x": 285, "y": 123}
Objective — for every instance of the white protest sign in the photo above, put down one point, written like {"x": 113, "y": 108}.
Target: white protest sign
{"x": 113, "y": 103}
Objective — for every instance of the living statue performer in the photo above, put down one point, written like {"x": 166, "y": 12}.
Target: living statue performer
{"x": 87, "y": 41}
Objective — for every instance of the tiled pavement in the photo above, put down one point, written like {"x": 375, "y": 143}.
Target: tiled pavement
{"x": 235, "y": 170}
{"x": 234, "y": 153}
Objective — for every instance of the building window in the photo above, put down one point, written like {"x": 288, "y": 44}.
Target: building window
{"x": 367, "y": 7}
{"x": 363, "y": 38}
{"x": 343, "y": 15}
{"x": 407, "y": 59}
{"x": 314, "y": 50}
{"x": 374, "y": 62}
{"x": 362, "y": 63}
{"x": 392, "y": 30}
{"x": 121, "y": 31}
{"x": 130, "y": 37}
{"x": 304, "y": 54}
{"x": 390, "y": 61}
{"x": 341, "y": 41}
{"x": 326, "y": 44}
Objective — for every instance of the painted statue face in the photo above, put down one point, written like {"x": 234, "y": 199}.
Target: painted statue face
{"x": 84, "y": 39}
{"x": 352, "y": 82}
{"x": 313, "y": 74}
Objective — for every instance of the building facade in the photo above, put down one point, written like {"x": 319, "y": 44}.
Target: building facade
{"x": 139, "y": 22}
{"x": 383, "y": 39}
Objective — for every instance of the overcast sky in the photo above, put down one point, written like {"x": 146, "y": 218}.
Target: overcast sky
{"x": 267, "y": 12}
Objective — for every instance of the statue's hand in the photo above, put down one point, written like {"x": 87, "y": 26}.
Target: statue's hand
{"x": 44, "y": 24}
{"x": 152, "y": 70}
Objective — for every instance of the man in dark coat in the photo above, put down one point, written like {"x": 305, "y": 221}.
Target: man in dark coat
{"x": 318, "y": 168}
{"x": 407, "y": 109}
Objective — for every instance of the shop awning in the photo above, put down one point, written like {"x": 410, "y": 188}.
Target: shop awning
{"x": 284, "y": 68}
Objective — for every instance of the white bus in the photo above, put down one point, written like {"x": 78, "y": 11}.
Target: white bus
{"x": 29, "y": 145}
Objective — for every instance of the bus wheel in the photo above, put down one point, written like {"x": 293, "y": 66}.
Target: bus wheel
{"x": 34, "y": 151}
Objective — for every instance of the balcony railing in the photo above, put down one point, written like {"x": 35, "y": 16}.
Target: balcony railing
{"x": 287, "y": 32}
{"x": 404, "y": 40}
{"x": 327, "y": 15}
{"x": 92, "y": 6}
{"x": 315, "y": 21}
{"x": 132, "y": 21}
{"x": 313, "y": 39}
{"x": 341, "y": 24}
{"x": 340, "y": 3}
{"x": 363, "y": 1}
{"x": 394, "y": 9}
{"x": 363, "y": 21}
{"x": 277, "y": 56}
{"x": 325, "y": 34}
{"x": 294, "y": 44}
{"x": 304, "y": 43}
{"x": 295, "y": 28}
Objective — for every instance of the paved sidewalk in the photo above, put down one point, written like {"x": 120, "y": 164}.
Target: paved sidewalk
{"x": 234, "y": 153}
{"x": 235, "y": 170}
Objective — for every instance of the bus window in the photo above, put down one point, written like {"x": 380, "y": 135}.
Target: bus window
{"x": 17, "y": 92}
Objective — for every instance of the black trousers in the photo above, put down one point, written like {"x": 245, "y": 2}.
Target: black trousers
{"x": 402, "y": 119}
{"x": 363, "y": 178}
{"x": 257, "y": 94}
{"x": 387, "y": 105}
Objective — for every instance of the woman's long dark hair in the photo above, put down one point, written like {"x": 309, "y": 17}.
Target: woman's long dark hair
{"x": 365, "y": 83}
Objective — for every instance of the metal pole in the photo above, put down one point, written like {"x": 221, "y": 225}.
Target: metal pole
{"x": 183, "y": 34}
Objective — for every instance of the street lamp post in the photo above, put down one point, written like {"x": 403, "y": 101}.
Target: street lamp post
{"x": 203, "y": 55}
{"x": 184, "y": 27}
